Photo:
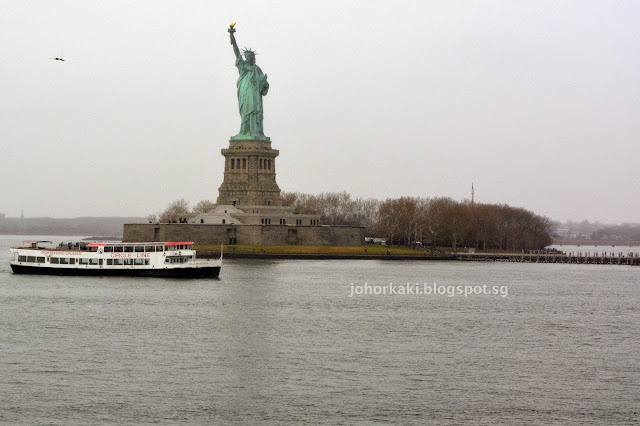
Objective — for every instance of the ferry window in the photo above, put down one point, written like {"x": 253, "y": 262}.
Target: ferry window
{"x": 109, "y": 261}
{"x": 22, "y": 258}
{"x": 128, "y": 261}
{"x": 138, "y": 262}
{"x": 40, "y": 259}
{"x": 118, "y": 261}
{"x": 54, "y": 260}
{"x": 64, "y": 260}
{"x": 100, "y": 262}
{"x": 118, "y": 249}
{"x": 31, "y": 259}
{"x": 148, "y": 248}
{"x": 108, "y": 249}
{"x": 72, "y": 261}
{"x": 93, "y": 261}
{"x": 139, "y": 248}
{"x": 167, "y": 260}
{"x": 84, "y": 261}
{"x": 128, "y": 249}
{"x": 146, "y": 261}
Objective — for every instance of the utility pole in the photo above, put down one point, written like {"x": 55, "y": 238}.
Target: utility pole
{"x": 472, "y": 194}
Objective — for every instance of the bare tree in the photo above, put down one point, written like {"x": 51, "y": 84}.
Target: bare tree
{"x": 203, "y": 206}
{"x": 437, "y": 219}
{"x": 175, "y": 208}
{"x": 289, "y": 198}
{"x": 153, "y": 217}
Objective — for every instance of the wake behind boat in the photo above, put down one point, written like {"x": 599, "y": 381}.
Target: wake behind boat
{"x": 156, "y": 259}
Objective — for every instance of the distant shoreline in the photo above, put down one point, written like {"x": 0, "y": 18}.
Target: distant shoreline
{"x": 57, "y": 234}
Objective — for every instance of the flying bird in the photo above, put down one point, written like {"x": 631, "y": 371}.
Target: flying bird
{"x": 58, "y": 59}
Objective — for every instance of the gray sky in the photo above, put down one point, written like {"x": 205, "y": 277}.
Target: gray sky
{"x": 536, "y": 102}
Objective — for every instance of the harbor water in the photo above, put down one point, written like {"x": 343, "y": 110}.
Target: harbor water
{"x": 324, "y": 341}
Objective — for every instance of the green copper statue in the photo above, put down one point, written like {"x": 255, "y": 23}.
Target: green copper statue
{"x": 252, "y": 86}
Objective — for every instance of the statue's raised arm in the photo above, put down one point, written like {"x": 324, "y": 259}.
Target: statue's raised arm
{"x": 233, "y": 40}
{"x": 252, "y": 86}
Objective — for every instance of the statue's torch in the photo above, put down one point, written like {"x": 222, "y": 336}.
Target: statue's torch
{"x": 231, "y": 29}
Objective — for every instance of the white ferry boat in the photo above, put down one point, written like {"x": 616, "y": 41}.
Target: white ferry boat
{"x": 166, "y": 259}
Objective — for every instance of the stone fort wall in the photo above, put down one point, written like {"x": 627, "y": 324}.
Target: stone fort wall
{"x": 268, "y": 235}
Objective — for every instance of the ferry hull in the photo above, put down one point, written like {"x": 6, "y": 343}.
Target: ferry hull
{"x": 205, "y": 272}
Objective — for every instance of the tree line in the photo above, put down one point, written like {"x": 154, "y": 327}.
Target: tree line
{"x": 438, "y": 221}
{"x": 624, "y": 232}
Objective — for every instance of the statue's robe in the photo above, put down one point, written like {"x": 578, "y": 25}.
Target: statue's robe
{"x": 252, "y": 86}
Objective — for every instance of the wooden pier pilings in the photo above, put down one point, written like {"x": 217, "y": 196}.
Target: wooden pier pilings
{"x": 599, "y": 258}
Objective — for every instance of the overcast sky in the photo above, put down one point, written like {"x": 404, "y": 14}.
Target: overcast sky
{"x": 535, "y": 102}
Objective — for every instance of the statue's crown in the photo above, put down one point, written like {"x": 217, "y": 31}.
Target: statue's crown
{"x": 249, "y": 51}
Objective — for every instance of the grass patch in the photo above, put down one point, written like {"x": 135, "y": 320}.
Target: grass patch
{"x": 352, "y": 250}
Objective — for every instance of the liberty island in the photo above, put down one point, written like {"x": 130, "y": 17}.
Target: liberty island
{"x": 249, "y": 209}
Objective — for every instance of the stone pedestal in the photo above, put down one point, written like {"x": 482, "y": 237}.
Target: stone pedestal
{"x": 249, "y": 174}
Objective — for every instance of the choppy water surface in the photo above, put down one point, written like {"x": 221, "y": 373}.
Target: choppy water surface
{"x": 282, "y": 341}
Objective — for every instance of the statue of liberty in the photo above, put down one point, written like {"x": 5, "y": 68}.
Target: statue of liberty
{"x": 252, "y": 86}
